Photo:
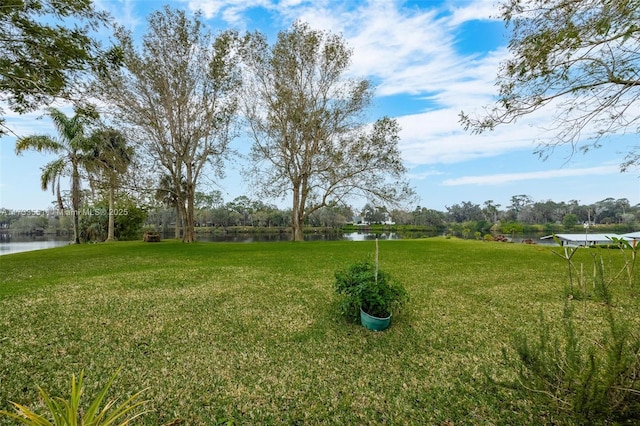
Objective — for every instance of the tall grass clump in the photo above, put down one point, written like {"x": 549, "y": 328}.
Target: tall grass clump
{"x": 595, "y": 285}
{"x": 594, "y": 377}
{"x": 594, "y": 380}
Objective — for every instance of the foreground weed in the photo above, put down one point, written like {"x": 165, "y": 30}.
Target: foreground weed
{"x": 629, "y": 264}
{"x": 69, "y": 413}
{"x": 604, "y": 274}
{"x": 567, "y": 255}
{"x": 594, "y": 381}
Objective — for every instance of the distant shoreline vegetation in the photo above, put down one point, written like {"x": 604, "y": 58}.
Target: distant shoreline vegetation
{"x": 523, "y": 218}
{"x": 467, "y": 221}
{"x": 320, "y": 229}
{"x": 466, "y": 230}
{"x": 453, "y": 230}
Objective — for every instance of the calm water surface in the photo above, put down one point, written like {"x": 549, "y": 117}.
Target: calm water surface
{"x": 17, "y": 245}
{"x": 20, "y": 243}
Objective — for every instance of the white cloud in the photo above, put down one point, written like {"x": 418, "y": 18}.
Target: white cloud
{"x": 319, "y": 16}
{"x": 123, "y": 12}
{"x": 502, "y": 178}
{"x": 436, "y": 137}
{"x": 34, "y": 123}
{"x": 408, "y": 49}
{"x": 423, "y": 175}
{"x": 473, "y": 11}
{"x": 209, "y": 8}
{"x": 28, "y": 124}
{"x": 231, "y": 12}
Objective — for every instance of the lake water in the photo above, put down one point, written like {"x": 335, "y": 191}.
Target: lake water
{"x": 21, "y": 243}
{"x": 17, "y": 245}
{"x": 254, "y": 238}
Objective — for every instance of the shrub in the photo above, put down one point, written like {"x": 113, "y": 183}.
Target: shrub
{"x": 596, "y": 383}
{"x": 128, "y": 221}
{"x": 364, "y": 287}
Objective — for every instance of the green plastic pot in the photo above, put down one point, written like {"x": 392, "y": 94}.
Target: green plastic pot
{"x": 374, "y": 323}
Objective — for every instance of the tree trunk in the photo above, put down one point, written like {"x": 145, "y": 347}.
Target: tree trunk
{"x": 296, "y": 217}
{"x": 111, "y": 226}
{"x": 189, "y": 222}
{"x": 178, "y": 220}
{"x": 296, "y": 228}
{"x": 75, "y": 202}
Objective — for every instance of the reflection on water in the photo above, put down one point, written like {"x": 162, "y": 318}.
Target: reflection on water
{"x": 20, "y": 243}
{"x": 285, "y": 236}
{"x": 17, "y": 245}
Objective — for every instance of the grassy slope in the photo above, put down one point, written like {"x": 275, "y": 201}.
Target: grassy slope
{"x": 251, "y": 332}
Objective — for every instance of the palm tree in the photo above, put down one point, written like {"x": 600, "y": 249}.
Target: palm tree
{"x": 111, "y": 156}
{"x": 70, "y": 146}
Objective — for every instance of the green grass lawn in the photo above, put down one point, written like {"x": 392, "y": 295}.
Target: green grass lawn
{"x": 251, "y": 333}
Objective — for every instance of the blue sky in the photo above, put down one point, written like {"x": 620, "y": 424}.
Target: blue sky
{"x": 429, "y": 60}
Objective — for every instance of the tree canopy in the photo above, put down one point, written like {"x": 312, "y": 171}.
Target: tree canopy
{"x": 47, "y": 50}
{"x": 310, "y": 138}
{"x": 580, "y": 57}
{"x": 177, "y": 96}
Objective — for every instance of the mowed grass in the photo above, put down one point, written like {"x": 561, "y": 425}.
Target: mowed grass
{"x": 251, "y": 333}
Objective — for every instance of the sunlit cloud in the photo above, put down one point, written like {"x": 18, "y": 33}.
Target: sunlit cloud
{"x": 502, "y": 178}
{"x": 231, "y": 11}
{"x": 414, "y": 175}
{"x": 34, "y": 123}
{"x": 123, "y": 12}
{"x": 436, "y": 137}
{"x": 473, "y": 11}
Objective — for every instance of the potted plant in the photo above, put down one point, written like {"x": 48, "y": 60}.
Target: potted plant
{"x": 369, "y": 294}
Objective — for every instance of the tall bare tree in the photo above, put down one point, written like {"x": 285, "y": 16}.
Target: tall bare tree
{"x": 307, "y": 121}
{"x": 178, "y": 92}
{"x": 581, "y": 57}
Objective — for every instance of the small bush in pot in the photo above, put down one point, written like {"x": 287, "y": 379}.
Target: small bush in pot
{"x": 363, "y": 286}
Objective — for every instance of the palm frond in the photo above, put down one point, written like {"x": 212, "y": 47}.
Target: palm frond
{"x": 40, "y": 143}
{"x": 69, "y": 129}
{"x": 52, "y": 172}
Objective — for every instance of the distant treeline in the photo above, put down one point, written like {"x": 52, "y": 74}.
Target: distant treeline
{"x": 522, "y": 215}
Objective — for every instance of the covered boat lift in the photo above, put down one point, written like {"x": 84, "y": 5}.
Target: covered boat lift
{"x": 588, "y": 239}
